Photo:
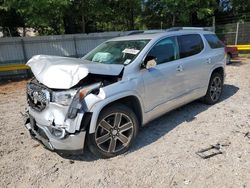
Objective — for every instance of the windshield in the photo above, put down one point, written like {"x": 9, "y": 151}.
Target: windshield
{"x": 116, "y": 52}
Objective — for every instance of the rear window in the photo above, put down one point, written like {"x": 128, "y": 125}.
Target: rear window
{"x": 213, "y": 41}
{"x": 190, "y": 45}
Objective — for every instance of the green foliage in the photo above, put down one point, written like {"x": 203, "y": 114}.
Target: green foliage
{"x": 46, "y": 16}
{"x": 153, "y": 14}
{"x": 7, "y": 23}
{"x": 241, "y": 8}
{"x": 167, "y": 13}
{"x": 76, "y": 16}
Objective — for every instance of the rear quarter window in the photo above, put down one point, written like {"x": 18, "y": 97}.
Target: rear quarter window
{"x": 190, "y": 44}
{"x": 213, "y": 41}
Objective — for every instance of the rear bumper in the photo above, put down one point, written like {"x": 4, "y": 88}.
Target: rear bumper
{"x": 234, "y": 55}
{"x": 69, "y": 143}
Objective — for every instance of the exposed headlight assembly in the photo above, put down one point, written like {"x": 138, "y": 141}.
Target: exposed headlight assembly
{"x": 63, "y": 97}
{"x": 77, "y": 101}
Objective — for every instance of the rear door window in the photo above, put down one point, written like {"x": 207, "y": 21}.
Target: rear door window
{"x": 213, "y": 41}
{"x": 190, "y": 44}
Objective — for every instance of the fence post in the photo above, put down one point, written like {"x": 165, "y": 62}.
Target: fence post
{"x": 74, "y": 39}
{"x": 237, "y": 33}
{"x": 28, "y": 72}
{"x": 24, "y": 51}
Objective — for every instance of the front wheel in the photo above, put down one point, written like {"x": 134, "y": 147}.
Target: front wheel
{"x": 214, "y": 89}
{"x": 116, "y": 129}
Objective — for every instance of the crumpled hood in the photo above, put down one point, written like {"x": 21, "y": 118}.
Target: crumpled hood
{"x": 63, "y": 73}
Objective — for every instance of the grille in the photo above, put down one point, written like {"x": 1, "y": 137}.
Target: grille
{"x": 38, "y": 96}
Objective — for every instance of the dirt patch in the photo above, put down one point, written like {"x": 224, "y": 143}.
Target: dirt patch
{"x": 164, "y": 154}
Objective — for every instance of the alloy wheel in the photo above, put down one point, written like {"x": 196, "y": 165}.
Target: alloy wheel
{"x": 114, "y": 132}
{"x": 215, "y": 88}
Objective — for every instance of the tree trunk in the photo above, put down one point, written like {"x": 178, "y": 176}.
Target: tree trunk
{"x": 132, "y": 26}
{"x": 83, "y": 23}
{"x": 83, "y": 8}
{"x": 24, "y": 31}
{"x": 173, "y": 21}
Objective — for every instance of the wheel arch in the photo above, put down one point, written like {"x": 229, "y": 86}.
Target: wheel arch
{"x": 131, "y": 101}
{"x": 207, "y": 98}
{"x": 219, "y": 70}
{"x": 230, "y": 54}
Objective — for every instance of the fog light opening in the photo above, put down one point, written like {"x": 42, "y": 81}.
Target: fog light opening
{"x": 59, "y": 133}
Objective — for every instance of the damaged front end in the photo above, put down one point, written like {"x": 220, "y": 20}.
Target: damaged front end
{"x": 57, "y": 118}
{"x": 60, "y": 96}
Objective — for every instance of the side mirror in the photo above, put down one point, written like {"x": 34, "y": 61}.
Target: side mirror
{"x": 149, "y": 62}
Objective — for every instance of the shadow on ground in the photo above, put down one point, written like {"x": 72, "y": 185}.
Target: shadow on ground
{"x": 236, "y": 63}
{"x": 164, "y": 124}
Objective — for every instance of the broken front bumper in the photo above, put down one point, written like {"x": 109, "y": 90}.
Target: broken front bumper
{"x": 64, "y": 142}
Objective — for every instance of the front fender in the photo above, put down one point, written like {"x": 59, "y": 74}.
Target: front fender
{"x": 97, "y": 107}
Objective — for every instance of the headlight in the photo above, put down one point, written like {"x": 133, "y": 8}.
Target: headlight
{"x": 63, "y": 97}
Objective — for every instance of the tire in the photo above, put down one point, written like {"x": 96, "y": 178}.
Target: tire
{"x": 214, "y": 90}
{"x": 228, "y": 60}
{"x": 116, "y": 129}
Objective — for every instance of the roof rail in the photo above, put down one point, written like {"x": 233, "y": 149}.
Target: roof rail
{"x": 134, "y": 32}
{"x": 151, "y": 31}
{"x": 186, "y": 28}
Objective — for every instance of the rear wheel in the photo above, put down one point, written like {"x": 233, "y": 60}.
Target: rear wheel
{"x": 116, "y": 129}
{"x": 229, "y": 58}
{"x": 214, "y": 89}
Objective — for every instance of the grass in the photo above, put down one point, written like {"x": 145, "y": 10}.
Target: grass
{"x": 245, "y": 55}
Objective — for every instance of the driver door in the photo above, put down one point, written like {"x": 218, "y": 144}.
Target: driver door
{"x": 164, "y": 82}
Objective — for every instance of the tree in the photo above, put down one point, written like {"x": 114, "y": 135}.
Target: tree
{"x": 46, "y": 16}
{"x": 241, "y": 8}
{"x": 185, "y": 12}
{"x": 153, "y": 13}
{"x": 231, "y": 11}
{"x": 167, "y": 13}
{"x": 84, "y": 16}
{"x": 8, "y": 24}
{"x": 118, "y": 14}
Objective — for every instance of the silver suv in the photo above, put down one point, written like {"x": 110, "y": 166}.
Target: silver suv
{"x": 103, "y": 98}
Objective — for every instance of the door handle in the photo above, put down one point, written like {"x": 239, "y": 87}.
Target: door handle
{"x": 209, "y": 61}
{"x": 179, "y": 68}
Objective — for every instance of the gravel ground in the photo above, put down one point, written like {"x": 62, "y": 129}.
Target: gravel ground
{"x": 164, "y": 154}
